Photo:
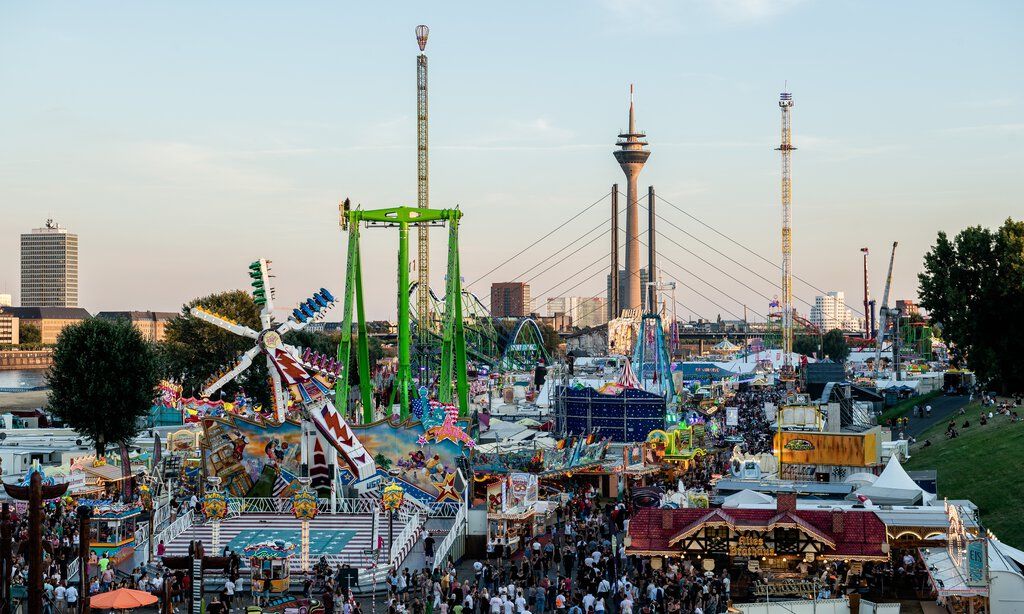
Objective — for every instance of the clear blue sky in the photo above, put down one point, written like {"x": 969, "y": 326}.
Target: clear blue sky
{"x": 181, "y": 140}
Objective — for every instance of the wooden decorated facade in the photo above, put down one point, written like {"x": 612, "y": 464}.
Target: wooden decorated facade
{"x": 784, "y": 533}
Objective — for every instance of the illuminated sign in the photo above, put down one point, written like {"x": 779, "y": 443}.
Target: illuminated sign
{"x": 799, "y": 445}
{"x": 750, "y": 544}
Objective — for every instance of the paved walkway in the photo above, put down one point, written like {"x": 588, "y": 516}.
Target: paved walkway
{"x": 942, "y": 408}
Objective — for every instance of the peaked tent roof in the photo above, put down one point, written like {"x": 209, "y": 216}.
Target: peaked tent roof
{"x": 895, "y": 476}
{"x": 747, "y": 497}
{"x": 628, "y": 378}
{"x": 893, "y": 487}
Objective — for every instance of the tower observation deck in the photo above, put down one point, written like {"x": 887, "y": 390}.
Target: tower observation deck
{"x": 631, "y": 156}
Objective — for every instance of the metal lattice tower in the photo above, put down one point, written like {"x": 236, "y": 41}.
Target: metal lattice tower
{"x": 786, "y": 147}
{"x": 424, "y": 322}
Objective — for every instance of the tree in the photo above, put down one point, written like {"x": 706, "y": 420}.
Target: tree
{"x": 29, "y": 333}
{"x": 973, "y": 287}
{"x": 552, "y": 340}
{"x": 194, "y": 350}
{"x": 103, "y": 380}
{"x": 834, "y": 346}
{"x": 806, "y": 345}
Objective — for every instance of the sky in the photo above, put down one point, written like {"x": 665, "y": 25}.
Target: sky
{"x": 182, "y": 140}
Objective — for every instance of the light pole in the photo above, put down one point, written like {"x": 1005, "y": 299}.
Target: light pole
{"x": 304, "y": 508}
{"x": 392, "y": 499}
{"x": 215, "y": 508}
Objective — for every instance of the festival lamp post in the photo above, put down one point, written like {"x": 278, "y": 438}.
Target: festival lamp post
{"x": 304, "y": 508}
{"x": 215, "y": 509}
{"x": 392, "y": 499}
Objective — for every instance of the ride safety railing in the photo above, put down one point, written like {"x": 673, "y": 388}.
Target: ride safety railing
{"x": 180, "y": 525}
{"x": 406, "y": 540}
{"x": 273, "y": 505}
{"x": 454, "y": 543}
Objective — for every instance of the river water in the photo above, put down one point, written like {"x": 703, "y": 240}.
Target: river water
{"x": 25, "y": 378}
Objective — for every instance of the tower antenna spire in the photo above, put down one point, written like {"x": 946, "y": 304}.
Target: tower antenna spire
{"x": 631, "y": 156}
{"x": 786, "y": 147}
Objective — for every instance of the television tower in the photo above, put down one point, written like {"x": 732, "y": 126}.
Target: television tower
{"x": 422, "y": 194}
{"x": 631, "y": 157}
{"x": 786, "y": 147}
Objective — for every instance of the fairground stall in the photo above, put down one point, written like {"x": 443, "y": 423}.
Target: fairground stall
{"x": 775, "y": 548}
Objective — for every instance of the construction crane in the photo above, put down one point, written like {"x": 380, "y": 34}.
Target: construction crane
{"x": 883, "y": 312}
{"x": 786, "y": 147}
{"x": 422, "y": 201}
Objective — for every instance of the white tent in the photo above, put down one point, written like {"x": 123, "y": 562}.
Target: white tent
{"x": 861, "y": 479}
{"x": 894, "y": 487}
{"x": 747, "y": 497}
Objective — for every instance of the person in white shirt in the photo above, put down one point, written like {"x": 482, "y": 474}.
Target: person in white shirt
{"x": 71, "y": 596}
{"x": 520, "y": 603}
{"x": 496, "y": 605}
{"x": 588, "y": 601}
{"x": 507, "y": 605}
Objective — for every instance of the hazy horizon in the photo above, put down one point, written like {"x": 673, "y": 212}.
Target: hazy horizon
{"x": 183, "y": 140}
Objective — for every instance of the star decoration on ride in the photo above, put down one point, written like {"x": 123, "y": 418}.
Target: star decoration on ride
{"x": 446, "y": 489}
{"x": 449, "y": 429}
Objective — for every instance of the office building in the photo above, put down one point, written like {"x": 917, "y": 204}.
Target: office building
{"x": 49, "y": 267}
{"x": 583, "y": 311}
{"x": 151, "y": 324}
{"x": 49, "y": 320}
{"x": 8, "y": 329}
{"x": 510, "y": 299}
{"x": 6, "y": 300}
{"x": 908, "y": 308}
{"x": 830, "y": 312}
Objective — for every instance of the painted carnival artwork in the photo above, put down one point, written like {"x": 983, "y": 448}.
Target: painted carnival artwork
{"x": 425, "y": 462}
{"x": 253, "y": 460}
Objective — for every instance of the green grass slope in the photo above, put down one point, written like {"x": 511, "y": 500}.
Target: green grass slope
{"x": 984, "y": 464}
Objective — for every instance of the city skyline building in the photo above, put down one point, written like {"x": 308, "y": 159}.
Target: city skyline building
{"x": 830, "y": 312}
{"x": 510, "y": 299}
{"x": 6, "y": 300}
{"x": 49, "y": 267}
{"x": 631, "y": 157}
{"x": 583, "y": 311}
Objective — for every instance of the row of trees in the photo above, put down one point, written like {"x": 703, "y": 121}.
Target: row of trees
{"x": 973, "y": 286}
{"x": 105, "y": 373}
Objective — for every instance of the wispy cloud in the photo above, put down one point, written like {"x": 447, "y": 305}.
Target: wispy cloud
{"x": 843, "y": 150}
{"x": 750, "y": 10}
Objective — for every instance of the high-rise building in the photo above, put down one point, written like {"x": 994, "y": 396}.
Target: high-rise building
{"x": 642, "y": 276}
{"x": 510, "y": 299}
{"x": 6, "y": 300}
{"x": 631, "y": 157}
{"x": 830, "y": 311}
{"x": 49, "y": 267}
{"x": 583, "y": 311}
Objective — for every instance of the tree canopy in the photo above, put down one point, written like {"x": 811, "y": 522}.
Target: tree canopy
{"x": 103, "y": 380}
{"x": 834, "y": 346}
{"x": 973, "y": 288}
{"x": 193, "y": 350}
{"x": 29, "y": 333}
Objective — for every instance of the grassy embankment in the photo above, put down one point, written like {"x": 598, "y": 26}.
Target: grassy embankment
{"x": 983, "y": 465}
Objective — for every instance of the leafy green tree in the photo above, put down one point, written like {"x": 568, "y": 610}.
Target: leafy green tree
{"x": 806, "y": 345}
{"x": 194, "y": 350}
{"x": 29, "y": 333}
{"x": 834, "y": 346}
{"x": 973, "y": 287}
{"x": 103, "y": 380}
